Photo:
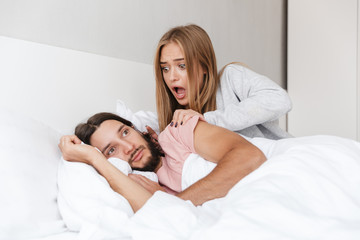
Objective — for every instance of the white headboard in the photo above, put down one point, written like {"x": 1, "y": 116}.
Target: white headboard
{"x": 62, "y": 87}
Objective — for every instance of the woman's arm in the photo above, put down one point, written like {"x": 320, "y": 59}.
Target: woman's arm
{"x": 246, "y": 99}
{"x": 73, "y": 151}
{"x": 235, "y": 158}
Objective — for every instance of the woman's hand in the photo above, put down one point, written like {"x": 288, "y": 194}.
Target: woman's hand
{"x": 73, "y": 151}
{"x": 181, "y": 116}
{"x": 146, "y": 183}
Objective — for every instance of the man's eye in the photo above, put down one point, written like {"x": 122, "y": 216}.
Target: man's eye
{"x": 125, "y": 132}
{"x": 182, "y": 66}
{"x": 111, "y": 151}
{"x": 165, "y": 69}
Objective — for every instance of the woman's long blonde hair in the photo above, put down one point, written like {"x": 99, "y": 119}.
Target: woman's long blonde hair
{"x": 198, "y": 52}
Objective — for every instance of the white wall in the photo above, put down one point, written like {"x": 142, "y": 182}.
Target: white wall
{"x": 127, "y": 31}
{"x": 48, "y": 82}
{"x": 242, "y": 30}
{"x": 358, "y": 71}
{"x": 323, "y": 67}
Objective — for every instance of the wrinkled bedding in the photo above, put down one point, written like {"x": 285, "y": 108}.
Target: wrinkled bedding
{"x": 307, "y": 189}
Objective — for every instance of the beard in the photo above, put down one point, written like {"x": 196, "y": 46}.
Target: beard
{"x": 156, "y": 153}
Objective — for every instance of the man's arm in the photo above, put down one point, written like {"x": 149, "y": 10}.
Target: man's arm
{"x": 73, "y": 151}
{"x": 235, "y": 158}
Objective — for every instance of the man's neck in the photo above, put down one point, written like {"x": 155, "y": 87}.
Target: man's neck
{"x": 159, "y": 165}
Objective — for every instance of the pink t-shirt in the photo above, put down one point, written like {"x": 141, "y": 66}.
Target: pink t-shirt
{"x": 178, "y": 144}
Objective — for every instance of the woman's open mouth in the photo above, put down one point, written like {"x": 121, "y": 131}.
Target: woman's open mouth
{"x": 179, "y": 92}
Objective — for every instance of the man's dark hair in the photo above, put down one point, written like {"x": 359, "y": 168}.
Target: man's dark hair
{"x": 84, "y": 130}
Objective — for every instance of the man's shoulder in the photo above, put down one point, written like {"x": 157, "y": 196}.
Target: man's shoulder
{"x": 181, "y": 134}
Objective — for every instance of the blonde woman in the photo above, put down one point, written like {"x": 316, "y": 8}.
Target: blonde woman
{"x": 188, "y": 84}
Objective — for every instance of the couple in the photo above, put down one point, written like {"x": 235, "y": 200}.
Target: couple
{"x": 116, "y": 137}
{"x": 307, "y": 189}
{"x": 188, "y": 84}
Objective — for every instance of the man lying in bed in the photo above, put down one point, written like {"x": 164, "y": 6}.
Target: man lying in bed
{"x": 116, "y": 137}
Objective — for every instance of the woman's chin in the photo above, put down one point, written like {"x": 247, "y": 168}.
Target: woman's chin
{"x": 183, "y": 102}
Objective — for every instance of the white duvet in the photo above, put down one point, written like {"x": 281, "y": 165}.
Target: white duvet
{"x": 309, "y": 188}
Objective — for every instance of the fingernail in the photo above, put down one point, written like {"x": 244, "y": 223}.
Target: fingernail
{"x": 176, "y": 124}
{"x": 171, "y": 124}
{"x": 181, "y": 123}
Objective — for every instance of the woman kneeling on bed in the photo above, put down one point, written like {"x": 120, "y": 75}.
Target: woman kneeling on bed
{"x": 116, "y": 137}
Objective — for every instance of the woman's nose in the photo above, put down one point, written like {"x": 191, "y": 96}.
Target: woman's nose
{"x": 173, "y": 75}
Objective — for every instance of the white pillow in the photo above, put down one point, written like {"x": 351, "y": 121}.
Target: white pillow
{"x": 29, "y": 158}
{"x": 140, "y": 119}
{"x": 89, "y": 205}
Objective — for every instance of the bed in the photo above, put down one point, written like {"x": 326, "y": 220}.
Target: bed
{"x": 307, "y": 189}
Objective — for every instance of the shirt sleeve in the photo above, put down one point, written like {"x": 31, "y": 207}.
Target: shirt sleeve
{"x": 248, "y": 99}
{"x": 179, "y": 139}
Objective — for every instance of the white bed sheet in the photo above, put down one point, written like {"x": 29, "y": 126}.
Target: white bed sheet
{"x": 61, "y": 236}
{"x": 307, "y": 189}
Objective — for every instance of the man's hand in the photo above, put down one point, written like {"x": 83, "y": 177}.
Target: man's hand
{"x": 73, "y": 151}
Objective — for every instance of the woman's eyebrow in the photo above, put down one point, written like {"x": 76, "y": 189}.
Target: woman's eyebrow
{"x": 119, "y": 130}
{"x": 175, "y": 60}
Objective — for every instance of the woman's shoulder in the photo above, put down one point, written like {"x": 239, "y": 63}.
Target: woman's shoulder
{"x": 232, "y": 71}
{"x": 239, "y": 71}
{"x": 231, "y": 67}
{"x": 236, "y": 69}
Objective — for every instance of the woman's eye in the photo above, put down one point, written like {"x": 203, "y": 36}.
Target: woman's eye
{"x": 165, "y": 69}
{"x": 182, "y": 66}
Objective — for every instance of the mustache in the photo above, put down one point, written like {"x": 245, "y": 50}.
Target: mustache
{"x": 156, "y": 153}
{"x": 134, "y": 152}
